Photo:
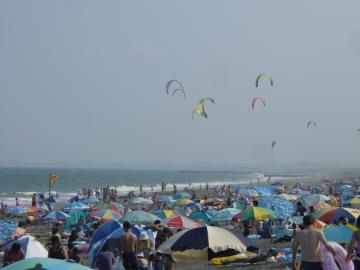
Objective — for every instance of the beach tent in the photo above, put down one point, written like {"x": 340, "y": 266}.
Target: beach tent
{"x": 163, "y": 214}
{"x": 46, "y": 264}
{"x": 106, "y": 215}
{"x": 225, "y": 215}
{"x": 56, "y": 215}
{"x": 200, "y": 215}
{"x": 202, "y": 243}
{"x": 140, "y": 217}
{"x": 30, "y": 246}
{"x": 338, "y": 212}
{"x": 338, "y": 233}
{"x": 180, "y": 222}
{"x": 182, "y": 195}
{"x": 255, "y": 213}
{"x": 282, "y": 207}
{"x": 264, "y": 190}
{"x": 76, "y": 206}
{"x": 104, "y": 230}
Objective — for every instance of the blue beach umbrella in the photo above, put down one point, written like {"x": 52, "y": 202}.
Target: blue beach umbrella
{"x": 76, "y": 206}
{"x": 45, "y": 264}
{"x": 338, "y": 233}
{"x": 56, "y": 215}
{"x": 7, "y": 229}
{"x": 282, "y": 207}
{"x": 104, "y": 230}
{"x": 182, "y": 195}
{"x": 225, "y": 215}
{"x": 165, "y": 198}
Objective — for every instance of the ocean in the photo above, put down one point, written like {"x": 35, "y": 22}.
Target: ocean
{"x": 23, "y": 182}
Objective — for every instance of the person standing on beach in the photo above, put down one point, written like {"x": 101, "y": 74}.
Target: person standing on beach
{"x": 17, "y": 203}
{"x": 128, "y": 247}
{"x": 355, "y": 243}
{"x": 309, "y": 241}
{"x": 33, "y": 201}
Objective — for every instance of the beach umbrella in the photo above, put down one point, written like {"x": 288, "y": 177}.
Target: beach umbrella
{"x": 140, "y": 217}
{"x": 165, "y": 198}
{"x": 338, "y": 233}
{"x": 249, "y": 193}
{"x": 104, "y": 230}
{"x": 321, "y": 211}
{"x": 199, "y": 216}
{"x": 102, "y": 205}
{"x": 194, "y": 206}
{"x": 91, "y": 200}
{"x": 182, "y": 195}
{"x": 15, "y": 210}
{"x": 289, "y": 197}
{"x": 282, "y": 207}
{"x": 277, "y": 183}
{"x": 321, "y": 205}
{"x": 203, "y": 243}
{"x": 312, "y": 199}
{"x": 180, "y": 222}
{"x": 57, "y": 215}
{"x": 76, "y": 206}
{"x": 225, "y": 215}
{"x": 77, "y": 198}
{"x": 345, "y": 187}
{"x": 106, "y": 215}
{"x": 182, "y": 202}
{"x": 255, "y": 213}
{"x": 338, "y": 212}
{"x": 163, "y": 214}
{"x": 34, "y": 209}
{"x": 31, "y": 247}
{"x": 7, "y": 230}
{"x": 316, "y": 190}
{"x": 141, "y": 201}
{"x": 214, "y": 201}
{"x": 318, "y": 224}
{"x": 44, "y": 264}
{"x": 118, "y": 207}
{"x": 353, "y": 201}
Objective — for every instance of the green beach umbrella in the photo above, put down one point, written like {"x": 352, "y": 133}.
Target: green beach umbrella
{"x": 140, "y": 217}
{"x": 255, "y": 213}
{"x": 45, "y": 264}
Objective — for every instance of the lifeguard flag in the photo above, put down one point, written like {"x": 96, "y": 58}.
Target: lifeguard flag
{"x": 52, "y": 178}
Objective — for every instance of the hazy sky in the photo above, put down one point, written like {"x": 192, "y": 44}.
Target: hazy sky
{"x": 84, "y": 81}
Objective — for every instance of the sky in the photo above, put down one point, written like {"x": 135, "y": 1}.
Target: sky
{"x": 83, "y": 82}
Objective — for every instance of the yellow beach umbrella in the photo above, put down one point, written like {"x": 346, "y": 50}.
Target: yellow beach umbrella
{"x": 182, "y": 202}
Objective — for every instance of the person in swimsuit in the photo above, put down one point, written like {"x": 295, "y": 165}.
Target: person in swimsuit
{"x": 309, "y": 241}
{"x": 355, "y": 240}
{"x": 128, "y": 247}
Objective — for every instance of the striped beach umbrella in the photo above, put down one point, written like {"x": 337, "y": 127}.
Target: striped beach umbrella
{"x": 255, "y": 213}
{"x": 163, "y": 214}
{"x": 106, "y": 215}
{"x": 202, "y": 244}
{"x": 336, "y": 213}
{"x": 321, "y": 211}
{"x": 57, "y": 215}
{"x": 180, "y": 222}
{"x": 182, "y": 202}
{"x": 45, "y": 264}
